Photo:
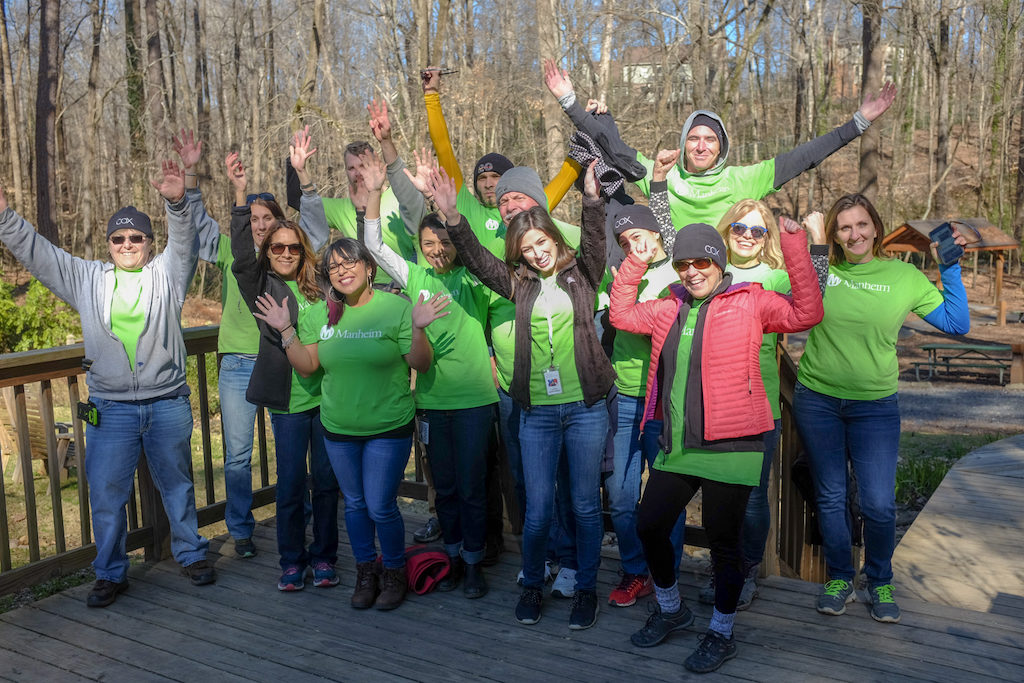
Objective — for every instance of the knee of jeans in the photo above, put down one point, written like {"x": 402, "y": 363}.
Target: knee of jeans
{"x": 384, "y": 513}
{"x": 877, "y": 506}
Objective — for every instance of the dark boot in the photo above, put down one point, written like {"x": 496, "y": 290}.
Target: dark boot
{"x": 367, "y": 586}
{"x": 394, "y": 584}
{"x": 475, "y": 585}
{"x": 451, "y": 581}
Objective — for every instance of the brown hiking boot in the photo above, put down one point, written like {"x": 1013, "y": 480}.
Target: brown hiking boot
{"x": 394, "y": 584}
{"x": 367, "y": 586}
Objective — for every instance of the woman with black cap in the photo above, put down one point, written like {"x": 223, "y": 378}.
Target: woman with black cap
{"x": 705, "y": 383}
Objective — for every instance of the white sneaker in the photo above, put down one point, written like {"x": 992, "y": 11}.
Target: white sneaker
{"x": 547, "y": 574}
{"x": 565, "y": 583}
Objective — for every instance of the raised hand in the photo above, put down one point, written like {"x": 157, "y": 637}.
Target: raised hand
{"x": 556, "y": 79}
{"x": 591, "y": 188}
{"x": 663, "y": 162}
{"x": 596, "y": 107}
{"x": 445, "y": 194}
{"x": 374, "y": 171}
{"x": 380, "y": 125}
{"x": 431, "y": 79}
{"x": 172, "y": 185}
{"x": 814, "y": 224}
{"x": 425, "y": 163}
{"x": 188, "y": 148}
{"x": 272, "y": 313}
{"x": 426, "y": 312}
{"x": 874, "y": 106}
{"x": 299, "y": 150}
{"x": 789, "y": 225}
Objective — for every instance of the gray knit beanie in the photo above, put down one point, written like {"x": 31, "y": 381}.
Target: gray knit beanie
{"x": 522, "y": 179}
{"x": 699, "y": 240}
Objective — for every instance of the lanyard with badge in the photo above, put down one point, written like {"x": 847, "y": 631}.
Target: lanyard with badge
{"x": 552, "y": 378}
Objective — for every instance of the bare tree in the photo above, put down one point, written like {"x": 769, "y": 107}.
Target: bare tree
{"x": 46, "y": 120}
{"x": 10, "y": 100}
{"x": 871, "y": 81}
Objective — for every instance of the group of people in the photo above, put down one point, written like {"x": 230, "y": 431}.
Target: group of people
{"x": 641, "y": 340}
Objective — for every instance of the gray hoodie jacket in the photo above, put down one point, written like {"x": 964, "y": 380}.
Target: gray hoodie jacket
{"x": 88, "y": 286}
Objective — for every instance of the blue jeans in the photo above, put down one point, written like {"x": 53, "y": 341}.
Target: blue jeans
{"x": 237, "y": 417}
{"x": 457, "y": 448}
{"x": 295, "y": 435}
{"x": 758, "y": 520}
{"x": 370, "y": 472}
{"x": 868, "y": 432}
{"x": 508, "y": 427}
{"x": 163, "y": 429}
{"x": 543, "y": 432}
{"x": 633, "y": 451}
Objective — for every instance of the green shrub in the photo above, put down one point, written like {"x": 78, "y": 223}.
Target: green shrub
{"x": 41, "y": 321}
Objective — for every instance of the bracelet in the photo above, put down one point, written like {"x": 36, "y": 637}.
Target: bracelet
{"x": 191, "y": 175}
{"x": 307, "y": 186}
{"x": 289, "y": 341}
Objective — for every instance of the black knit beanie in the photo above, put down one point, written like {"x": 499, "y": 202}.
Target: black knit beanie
{"x": 699, "y": 240}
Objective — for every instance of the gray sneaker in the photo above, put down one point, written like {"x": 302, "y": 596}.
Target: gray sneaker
{"x": 660, "y": 624}
{"x": 747, "y": 594}
{"x": 883, "y": 606}
{"x": 706, "y": 596}
{"x": 834, "y": 596}
{"x": 564, "y": 585}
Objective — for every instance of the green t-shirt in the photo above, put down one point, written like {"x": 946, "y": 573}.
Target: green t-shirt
{"x": 501, "y": 316}
{"x": 485, "y": 222}
{"x": 238, "y": 331}
{"x": 705, "y": 198}
{"x": 305, "y": 392}
{"x": 552, "y": 344}
{"x": 631, "y": 353}
{"x": 851, "y": 353}
{"x": 341, "y": 216}
{"x": 460, "y": 376}
{"x": 127, "y": 316}
{"x": 730, "y": 468}
{"x": 366, "y": 379}
{"x": 774, "y": 281}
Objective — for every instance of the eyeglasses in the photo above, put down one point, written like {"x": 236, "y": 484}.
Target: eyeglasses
{"x": 277, "y": 249}
{"x": 346, "y": 263}
{"x": 134, "y": 239}
{"x": 698, "y": 263}
{"x": 756, "y": 231}
{"x": 265, "y": 196}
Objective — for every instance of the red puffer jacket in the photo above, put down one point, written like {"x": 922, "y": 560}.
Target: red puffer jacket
{"x": 735, "y": 405}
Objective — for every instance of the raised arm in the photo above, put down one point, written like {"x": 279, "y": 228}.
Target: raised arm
{"x": 312, "y": 217}
{"x": 380, "y": 126}
{"x": 393, "y": 264}
{"x": 952, "y": 315}
{"x": 658, "y": 200}
{"x": 803, "y": 310}
{"x": 438, "y": 127}
{"x": 624, "y": 312}
{"x": 190, "y": 151}
{"x": 591, "y": 256}
{"x": 814, "y": 224}
{"x": 789, "y": 165}
{"x": 182, "y": 244}
{"x": 244, "y": 265}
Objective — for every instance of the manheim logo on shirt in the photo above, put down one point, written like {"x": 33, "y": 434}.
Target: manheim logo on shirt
{"x": 327, "y": 332}
{"x": 834, "y": 281}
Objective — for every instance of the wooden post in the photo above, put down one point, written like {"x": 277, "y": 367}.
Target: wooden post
{"x": 1000, "y": 262}
{"x": 1017, "y": 365}
{"x": 153, "y": 515}
{"x": 1002, "y": 314}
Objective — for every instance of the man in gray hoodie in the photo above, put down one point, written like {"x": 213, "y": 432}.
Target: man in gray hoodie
{"x": 135, "y": 368}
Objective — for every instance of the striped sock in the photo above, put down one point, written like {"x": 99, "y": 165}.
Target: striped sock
{"x": 668, "y": 598}
{"x": 722, "y": 623}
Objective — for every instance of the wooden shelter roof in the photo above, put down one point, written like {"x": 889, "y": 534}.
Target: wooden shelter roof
{"x": 913, "y": 236}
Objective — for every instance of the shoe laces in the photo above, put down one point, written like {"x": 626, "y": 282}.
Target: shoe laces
{"x": 632, "y": 583}
{"x": 531, "y": 596}
{"x": 711, "y": 642}
{"x": 581, "y": 598}
{"x": 364, "y": 575}
{"x": 883, "y": 593}
{"x": 836, "y": 586}
{"x": 322, "y": 566}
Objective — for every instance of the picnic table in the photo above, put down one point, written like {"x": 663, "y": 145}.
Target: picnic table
{"x": 952, "y": 356}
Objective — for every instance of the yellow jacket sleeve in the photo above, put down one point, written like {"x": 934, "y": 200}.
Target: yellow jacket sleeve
{"x": 561, "y": 183}
{"x": 439, "y": 137}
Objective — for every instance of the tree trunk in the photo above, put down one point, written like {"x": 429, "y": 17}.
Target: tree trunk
{"x": 46, "y": 120}
{"x": 1018, "y": 214}
{"x": 604, "y": 71}
{"x": 14, "y": 131}
{"x": 871, "y": 82}
{"x": 550, "y": 46}
{"x": 136, "y": 97}
{"x": 202, "y": 74}
{"x": 312, "y": 54}
{"x": 94, "y": 104}
{"x": 444, "y": 11}
{"x": 940, "y": 62}
{"x": 156, "y": 91}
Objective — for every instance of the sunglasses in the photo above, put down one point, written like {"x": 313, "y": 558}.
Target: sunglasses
{"x": 346, "y": 263}
{"x": 134, "y": 239}
{"x": 756, "y": 231}
{"x": 265, "y": 196}
{"x": 277, "y": 249}
{"x": 698, "y": 263}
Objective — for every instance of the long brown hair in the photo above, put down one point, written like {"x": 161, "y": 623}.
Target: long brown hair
{"x": 836, "y": 255}
{"x": 305, "y": 276}
{"x": 523, "y": 222}
{"x": 771, "y": 250}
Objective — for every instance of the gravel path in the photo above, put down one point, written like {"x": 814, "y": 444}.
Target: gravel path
{"x": 961, "y": 407}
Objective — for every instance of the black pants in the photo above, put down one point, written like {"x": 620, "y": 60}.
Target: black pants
{"x": 724, "y": 506}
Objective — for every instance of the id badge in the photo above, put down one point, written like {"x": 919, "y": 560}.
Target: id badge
{"x": 424, "y": 430}
{"x": 553, "y": 381}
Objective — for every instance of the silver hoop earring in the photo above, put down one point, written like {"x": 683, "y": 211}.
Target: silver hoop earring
{"x": 332, "y": 294}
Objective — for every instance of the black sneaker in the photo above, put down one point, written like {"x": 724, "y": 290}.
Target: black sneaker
{"x": 713, "y": 651}
{"x": 430, "y": 532}
{"x": 104, "y": 592}
{"x": 584, "y": 610}
{"x": 528, "y": 609}
{"x": 200, "y": 573}
{"x": 245, "y": 548}
{"x": 660, "y": 624}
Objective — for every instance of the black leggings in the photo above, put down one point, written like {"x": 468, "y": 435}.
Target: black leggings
{"x": 724, "y": 506}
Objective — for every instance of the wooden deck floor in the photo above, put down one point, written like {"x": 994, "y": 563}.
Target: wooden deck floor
{"x": 242, "y": 628}
{"x": 966, "y": 548}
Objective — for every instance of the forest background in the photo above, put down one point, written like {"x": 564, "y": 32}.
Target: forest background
{"x": 94, "y": 89}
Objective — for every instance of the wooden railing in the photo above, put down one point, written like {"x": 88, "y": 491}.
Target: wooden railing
{"x": 35, "y": 377}
{"x": 33, "y": 374}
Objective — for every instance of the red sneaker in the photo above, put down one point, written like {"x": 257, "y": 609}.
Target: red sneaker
{"x": 631, "y": 587}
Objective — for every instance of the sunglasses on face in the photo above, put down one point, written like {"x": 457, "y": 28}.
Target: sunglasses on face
{"x": 756, "y": 231}
{"x": 265, "y": 196}
{"x": 134, "y": 239}
{"x": 277, "y": 248}
{"x": 698, "y": 263}
{"x": 346, "y": 263}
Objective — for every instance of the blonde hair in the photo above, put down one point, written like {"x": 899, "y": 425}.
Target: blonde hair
{"x": 771, "y": 250}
